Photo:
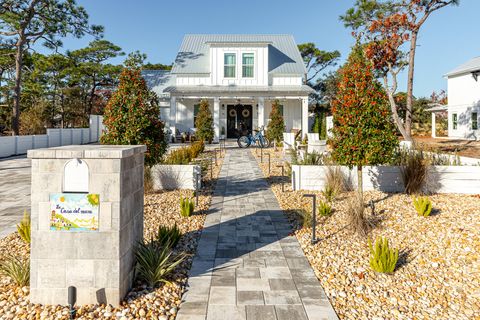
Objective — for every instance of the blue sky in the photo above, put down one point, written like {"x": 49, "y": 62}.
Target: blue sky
{"x": 449, "y": 38}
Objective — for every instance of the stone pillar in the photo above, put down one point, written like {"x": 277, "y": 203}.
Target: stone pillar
{"x": 87, "y": 216}
{"x": 434, "y": 126}
{"x": 173, "y": 115}
{"x": 216, "y": 119}
{"x": 305, "y": 128}
{"x": 261, "y": 112}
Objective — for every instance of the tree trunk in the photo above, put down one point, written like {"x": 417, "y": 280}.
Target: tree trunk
{"x": 411, "y": 71}
{"x": 17, "y": 86}
{"x": 92, "y": 96}
{"x": 396, "y": 118}
{"x": 360, "y": 183}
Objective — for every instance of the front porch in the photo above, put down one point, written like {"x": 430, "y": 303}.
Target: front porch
{"x": 234, "y": 113}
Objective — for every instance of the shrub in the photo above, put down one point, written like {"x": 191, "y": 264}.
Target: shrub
{"x": 382, "y": 257}
{"x": 186, "y": 207}
{"x": 132, "y": 116}
{"x": 16, "y": 268}
{"x": 147, "y": 179}
{"x": 356, "y": 215}
{"x": 324, "y": 209}
{"x": 329, "y": 193}
{"x": 312, "y": 159}
{"x": 24, "y": 227}
{"x": 155, "y": 263}
{"x": 276, "y": 125}
{"x": 423, "y": 205}
{"x": 168, "y": 236}
{"x": 196, "y": 148}
{"x": 305, "y": 217}
{"x": 414, "y": 171}
{"x": 179, "y": 156}
{"x": 204, "y": 122}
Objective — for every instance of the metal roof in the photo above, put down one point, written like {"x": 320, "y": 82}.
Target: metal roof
{"x": 158, "y": 80}
{"x": 303, "y": 89}
{"x": 469, "y": 66}
{"x": 283, "y": 54}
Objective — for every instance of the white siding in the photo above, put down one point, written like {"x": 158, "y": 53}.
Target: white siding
{"x": 292, "y": 113}
{"x": 287, "y": 81}
{"x": 185, "y": 113}
{"x": 260, "y": 77}
{"x": 463, "y": 99}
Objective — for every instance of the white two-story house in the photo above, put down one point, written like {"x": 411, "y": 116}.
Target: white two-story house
{"x": 240, "y": 76}
{"x": 464, "y": 100}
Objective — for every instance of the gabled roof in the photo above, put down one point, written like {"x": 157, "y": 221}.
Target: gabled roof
{"x": 158, "y": 80}
{"x": 283, "y": 55}
{"x": 468, "y": 67}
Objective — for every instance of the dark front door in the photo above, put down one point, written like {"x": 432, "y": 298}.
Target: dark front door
{"x": 239, "y": 120}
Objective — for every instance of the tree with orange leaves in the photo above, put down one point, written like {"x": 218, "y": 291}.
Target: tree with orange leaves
{"x": 390, "y": 29}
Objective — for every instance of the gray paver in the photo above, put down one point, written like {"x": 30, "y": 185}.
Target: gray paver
{"x": 248, "y": 265}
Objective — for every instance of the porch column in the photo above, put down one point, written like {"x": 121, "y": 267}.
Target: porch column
{"x": 261, "y": 111}
{"x": 173, "y": 115}
{"x": 216, "y": 119}
{"x": 434, "y": 126}
{"x": 305, "y": 128}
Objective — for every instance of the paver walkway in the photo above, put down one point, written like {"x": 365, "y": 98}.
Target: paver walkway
{"x": 14, "y": 192}
{"x": 247, "y": 265}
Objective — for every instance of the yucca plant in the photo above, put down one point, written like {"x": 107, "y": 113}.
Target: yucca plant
{"x": 382, "y": 257}
{"x": 324, "y": 209}
{"x": 329, "y": 193}
{"x": 186, "y": 207}
{"x": 423, "y": 205}
{"x": 168, "y": 236}
{"x": 16, "y": 268}
{"x": 154, "y": 263}
{"x": 24, "y": 227}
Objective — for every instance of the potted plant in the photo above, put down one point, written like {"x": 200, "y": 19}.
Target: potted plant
{"x": 222, "y": 133}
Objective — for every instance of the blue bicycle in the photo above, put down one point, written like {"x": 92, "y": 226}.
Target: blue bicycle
{"x": 258, "y": 138}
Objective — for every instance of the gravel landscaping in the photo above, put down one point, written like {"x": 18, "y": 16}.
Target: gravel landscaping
{"x": 161, "y": 208}
{"x": 438, "y": 274}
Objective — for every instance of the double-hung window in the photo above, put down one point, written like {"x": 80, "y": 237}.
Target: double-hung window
{"x": 230, "y": 64}
{"x": 474, "y": 121}
{"x": 454, "y": 121}
{"x": 248, "y": 62}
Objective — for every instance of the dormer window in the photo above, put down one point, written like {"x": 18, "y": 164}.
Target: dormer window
{"x": 247, "y": 65}
{"x": 230, "y": 64}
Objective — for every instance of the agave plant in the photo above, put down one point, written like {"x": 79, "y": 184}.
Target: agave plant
{"x": 155, "y": 263}
{"x": 382, "y": 257}
{"x": 168, "y": 236}
{"x": 24, "y": 227}
{"x": 324, "y": 209}
{"x": 423, "y": 205}
{"x": 16, "y": 268}
{"x": 186, "y": 207}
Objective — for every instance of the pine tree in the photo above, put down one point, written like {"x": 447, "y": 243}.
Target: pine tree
{"x": 363, "y": 130}
{"x": 276, "y": 126}
{"x": 132, "y": 117}
{"x": 320, "y": 125}
{"x": 204, "y": 122}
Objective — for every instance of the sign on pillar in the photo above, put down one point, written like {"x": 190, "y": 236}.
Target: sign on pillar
{"x": 87, "y": 217}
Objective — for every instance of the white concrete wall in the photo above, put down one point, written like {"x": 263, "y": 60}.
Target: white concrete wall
{"x": 441, "y": 179}
{"x": 170, "y": 177}
{"x": 463, "y": 99}
{"x": 16, "y": 145}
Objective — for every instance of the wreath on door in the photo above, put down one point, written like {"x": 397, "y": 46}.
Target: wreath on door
{"x": 245, "y": 113}
{"x": 232, "y": 112}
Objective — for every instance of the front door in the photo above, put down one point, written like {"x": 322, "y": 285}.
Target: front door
{"x": 239, "y": 120}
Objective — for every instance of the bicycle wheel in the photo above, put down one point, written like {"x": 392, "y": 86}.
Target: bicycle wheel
{"x": 266, "y": 142}
{"x": 243, "y": 142}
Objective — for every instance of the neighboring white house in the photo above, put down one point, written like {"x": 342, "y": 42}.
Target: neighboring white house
{"x": 464, "y": 100}
{"x": 240, "y": 76}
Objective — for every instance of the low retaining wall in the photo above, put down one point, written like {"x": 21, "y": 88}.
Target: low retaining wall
{"x": 440, "y": 179}
{"x": 16, "y": 145}
{"x": 175, "y": 176}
